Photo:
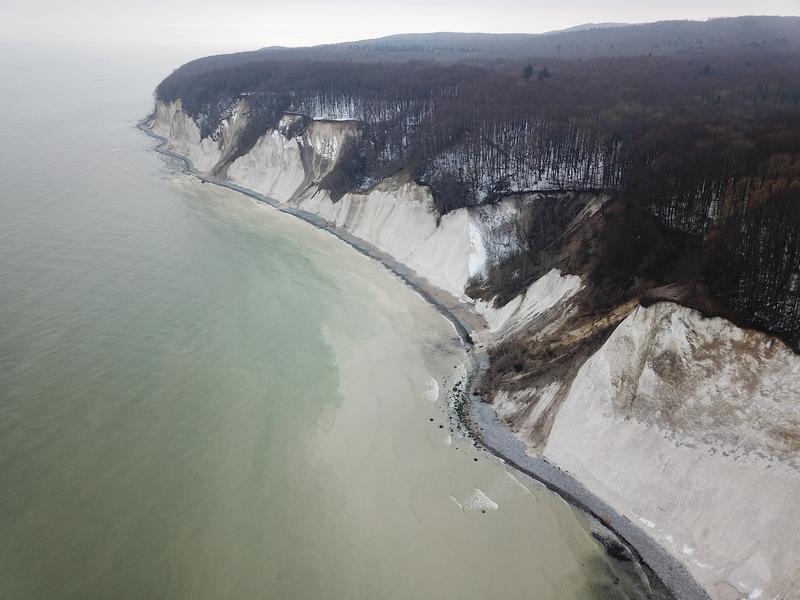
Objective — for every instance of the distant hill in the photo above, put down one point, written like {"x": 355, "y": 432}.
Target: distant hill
{"x": 759, "y": 38}
{"x": 694, "y": 40}
{"x": 587, "y": 26}
{"x": 583, "y": 41}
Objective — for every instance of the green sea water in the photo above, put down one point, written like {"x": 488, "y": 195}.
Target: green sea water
{"x": 203, "y": 398}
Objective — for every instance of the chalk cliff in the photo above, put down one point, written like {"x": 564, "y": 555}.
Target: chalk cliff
{"x": 688, "y": 426}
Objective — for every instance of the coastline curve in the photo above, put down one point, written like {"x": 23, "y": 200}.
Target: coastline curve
{"x": 477, "y": 417}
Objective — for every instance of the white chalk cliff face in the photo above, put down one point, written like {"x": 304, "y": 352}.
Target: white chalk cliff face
{"x": 281, "y": 165}
{"x": 171, "y": 122}
{"x": 549, "y": 291}
{"x": 398, "y": 218}
{"x": 689, "y": 426}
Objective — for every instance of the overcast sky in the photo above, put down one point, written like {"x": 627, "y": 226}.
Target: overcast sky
{"x": 256, "y": 23}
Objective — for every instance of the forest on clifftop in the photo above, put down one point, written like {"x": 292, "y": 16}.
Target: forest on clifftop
{"x": 693, "y": 128}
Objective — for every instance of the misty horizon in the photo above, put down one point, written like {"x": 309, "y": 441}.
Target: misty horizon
{"x": 249, "y": 24}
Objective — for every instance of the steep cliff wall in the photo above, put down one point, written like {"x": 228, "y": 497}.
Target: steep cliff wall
{"x": 398, "y": 217}
{"x": 689, "y": 426}
{"x": 170, "y": 121}
{"x": 286, "y": 160}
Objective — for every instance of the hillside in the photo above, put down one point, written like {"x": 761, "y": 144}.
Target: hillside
{"x": 693, "y": 39}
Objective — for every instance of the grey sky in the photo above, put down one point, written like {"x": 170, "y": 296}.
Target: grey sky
{"x": 255, "y": 23}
